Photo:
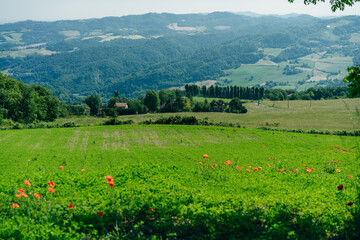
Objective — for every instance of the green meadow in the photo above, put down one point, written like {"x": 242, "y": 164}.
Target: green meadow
{"x": 324, "y": 115}
{"x": 255, "y": 184}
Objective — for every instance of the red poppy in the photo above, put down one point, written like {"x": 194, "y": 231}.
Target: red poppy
{"x": 349, "y": 176}
{"x": 255, "y": 169}
{"x": 248, "y": 170}
{"x": 350, "y": 203}
{"x": 151, "y": 209}
{"x": 250, "y": 166}
{"x": 70, "y": 206}
{"x": 313, "y": 169}
{"x": 340, "y": 187}
{"x": 269, "y": 165}
{"x": 61, "y": 167}
{"x": 200, "y": 163}
{"x": 205, "y": 156}
{"x": 303, "y": 164}
{"x": 27, "y": 183}
{"x": 296, "y": 170}
{"x": 21, "y": 190}
{"x": 111, "y": 184}
{"x": 338, "y": 170}
{"x": 15, "y": 205}
{"x": 51, "y": 183}
{"x": 37, "y": 195}
{"x": 215, "y": 165}
{"x": 206, "y": 164}
{"x": 238, "y": 167}
{"x": 100, "y": 214}
{"x": 83, "y": 170}
{"x": 109, "y": 178}
{"x": 211, "y": 166}
{"x": 18, "y": 195}
{"x": 260, "y": 168}
{"x": 51, "y": 190}
{"x": 23, "y": 194}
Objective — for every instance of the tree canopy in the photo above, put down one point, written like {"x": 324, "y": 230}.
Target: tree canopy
{"x": 354, "y": 79}
{"x": 335, "y": 4}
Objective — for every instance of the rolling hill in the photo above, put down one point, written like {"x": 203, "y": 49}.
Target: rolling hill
{"x": 137, "y": 53}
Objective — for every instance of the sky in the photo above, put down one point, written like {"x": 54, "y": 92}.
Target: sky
{"x": 50, "y": 10}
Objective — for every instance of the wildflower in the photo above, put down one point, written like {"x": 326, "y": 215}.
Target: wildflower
{"x": 27, "y": 183}
{"x": 303, "y": 164}
{"x": 100, "y": 214}
{"x": 18, "y": 195}
{"x": 111, "y": 184}
{"x": 260, "y": 168}
{"x": 215, "y": 165}
{"x": 51, "y": 190}
{"x": 269, "y": 165}
{"x": 83, "y": 170}
{"x": 248, "y": 170}
{"x": 250, "y": 166}
{"x": 200, "y": 163}
{"x": 211, "y": 166}
{"x": 255, "y": 169}
{"x": 313, "y": 169}
{"x": 109, "y": 178}
{"x": 350, "y": 203}
{"x": 15, "y": 205}
{"x": 296, "y": 170}
{"x": 338, "y": 170}
{"x": 37, "y": 195}
{"x": 23, "y": 194}
{"x": 349, "y": 176}
{"x": 151, "y": 209}
{"x": 308, "y": 170}
{"x": 340, "y": 187}
{"x": 61, "y": 167}
{"x": 70, "y": 206}
{"x": 205, "y": 156}
{"x": 206, "y": 164}
{"x": 237, "y": 167}
{"x": 51, "y": 183}
{"x": 21, "y": 190}
{"x": 228, "y": 162}
{"x": 290, "y": 171}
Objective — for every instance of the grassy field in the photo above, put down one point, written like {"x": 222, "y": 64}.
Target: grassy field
{"x": 254, "y": 185}
{"x": 262, "y": 74}
{"x": 332, "y": 115}
{"x": 329, "y": 115}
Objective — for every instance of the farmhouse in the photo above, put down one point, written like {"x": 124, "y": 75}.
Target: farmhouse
{"x": 121, "y": 105}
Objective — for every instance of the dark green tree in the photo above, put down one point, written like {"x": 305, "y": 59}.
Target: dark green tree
{"x": 335, "y": 4}
{"x": 152, "y": 101}
{"x": 354, "y": 79}
{"x": 94, "y": 103}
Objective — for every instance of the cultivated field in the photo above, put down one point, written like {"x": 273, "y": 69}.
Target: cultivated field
{"x": 254, "y": 184}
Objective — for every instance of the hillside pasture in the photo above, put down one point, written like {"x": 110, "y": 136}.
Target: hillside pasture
{"x": 331, "y": 115}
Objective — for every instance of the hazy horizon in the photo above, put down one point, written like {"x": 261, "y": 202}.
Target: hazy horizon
{"x": 51, "y": 10}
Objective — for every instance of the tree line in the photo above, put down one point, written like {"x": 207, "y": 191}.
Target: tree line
{"x": 259, "y": 93}
{"x": 30, "y": 104}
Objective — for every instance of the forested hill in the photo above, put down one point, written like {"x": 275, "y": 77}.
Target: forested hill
{"x": 133, "y": 54}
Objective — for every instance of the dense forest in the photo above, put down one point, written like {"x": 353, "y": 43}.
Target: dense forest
{"x": 134, "y": 54}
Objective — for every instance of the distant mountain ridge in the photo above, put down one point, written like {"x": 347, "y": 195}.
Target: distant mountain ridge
{"x": 133, "y": 54}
